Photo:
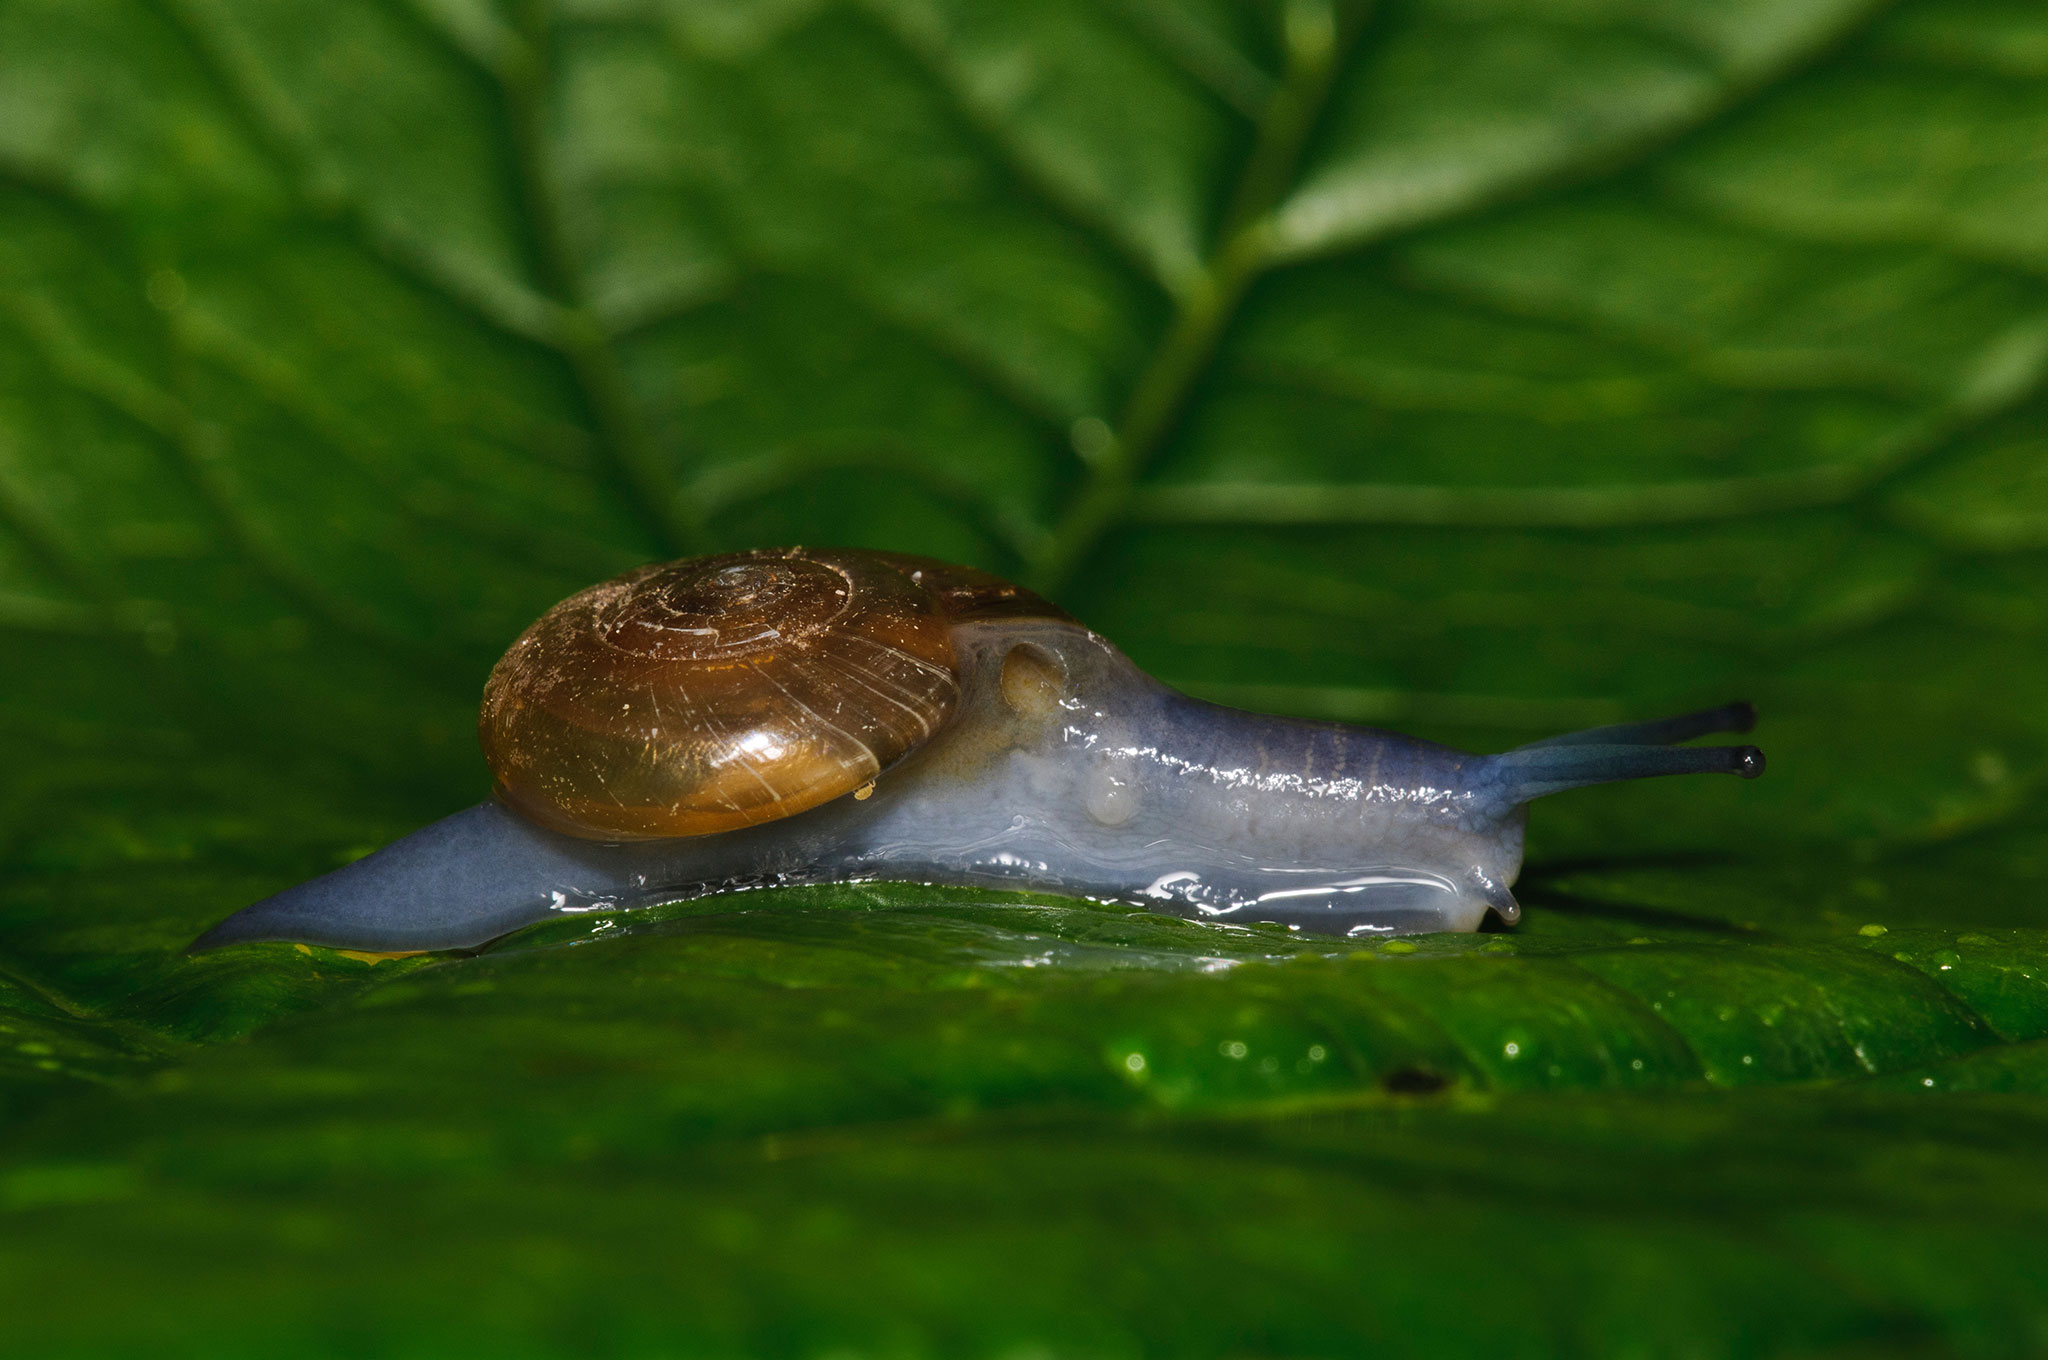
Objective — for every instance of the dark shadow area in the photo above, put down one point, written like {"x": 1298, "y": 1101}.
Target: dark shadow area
{"x": 1662, "y": 917}
{"x": 1414, "y": 1081}
{"x": 1559, "y": 868}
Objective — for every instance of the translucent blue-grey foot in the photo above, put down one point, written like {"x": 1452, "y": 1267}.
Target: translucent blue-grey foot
{"x": 458, "y": 883}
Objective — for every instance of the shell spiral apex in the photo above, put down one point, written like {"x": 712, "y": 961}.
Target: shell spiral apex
{"x": 715, "y": 693}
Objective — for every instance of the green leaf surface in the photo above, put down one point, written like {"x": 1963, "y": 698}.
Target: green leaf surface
{"x": 1478, "y": 368}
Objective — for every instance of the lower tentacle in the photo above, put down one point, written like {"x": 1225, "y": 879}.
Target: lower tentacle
{"x": 1515, "y": 777}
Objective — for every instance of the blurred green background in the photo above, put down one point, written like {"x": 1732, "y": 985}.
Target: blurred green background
{"x": 1483, "y": 368}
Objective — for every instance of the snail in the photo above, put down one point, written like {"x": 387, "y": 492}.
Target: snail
{"x": 790, "y": 716}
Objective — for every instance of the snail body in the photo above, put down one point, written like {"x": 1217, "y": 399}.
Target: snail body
{"x": 785, "y": 717}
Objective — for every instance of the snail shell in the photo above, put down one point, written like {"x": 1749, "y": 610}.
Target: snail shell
{"x": 715, "y": 693}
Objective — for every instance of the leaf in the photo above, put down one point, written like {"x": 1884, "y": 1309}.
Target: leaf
{"x": 1482, "y": 369}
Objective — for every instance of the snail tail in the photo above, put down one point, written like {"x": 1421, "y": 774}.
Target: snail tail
{"x": 456, "y": 884}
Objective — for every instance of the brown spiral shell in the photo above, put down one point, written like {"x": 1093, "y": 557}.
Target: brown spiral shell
{"x": 719, "y": 692}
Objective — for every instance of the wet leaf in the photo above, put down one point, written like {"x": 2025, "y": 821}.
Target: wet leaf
{"x": 1483, "y": 370}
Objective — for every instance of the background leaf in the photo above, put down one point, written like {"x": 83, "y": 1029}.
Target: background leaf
{"x": 1481, "y": 368}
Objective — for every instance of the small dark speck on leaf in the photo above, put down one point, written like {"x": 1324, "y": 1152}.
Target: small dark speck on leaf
{"x": 1414, "y": 1081}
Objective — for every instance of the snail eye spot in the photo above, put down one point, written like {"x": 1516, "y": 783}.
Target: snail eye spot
{"x": 1033, "y": 682}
